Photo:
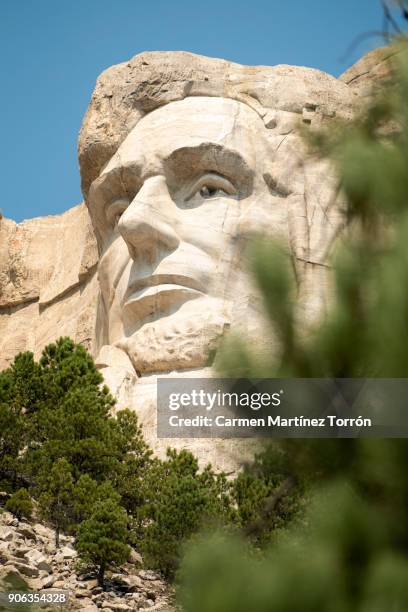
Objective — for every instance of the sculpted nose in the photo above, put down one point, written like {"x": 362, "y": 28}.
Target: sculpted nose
{"x": 149, "y": 221}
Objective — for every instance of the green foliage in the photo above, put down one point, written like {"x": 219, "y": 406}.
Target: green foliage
{"x": 11, "y": 443}
{"x": 266, "y": 497}
{"x": 72, "y": 421}
{"x": 57, "y": 496}
{"x": 19, "y": 393}
{"x": 357, "y": 339}
{"x": 179, "y": 500}
{"x": 348, "y": 552}
{"x": 135, "y": 460}
{"x": 20, "y": 504}
{"x": 318, "y": 568}
{"x": 86, "y": 493}
{"x": 102, "y": 538}
{"x": 55, "y": 426}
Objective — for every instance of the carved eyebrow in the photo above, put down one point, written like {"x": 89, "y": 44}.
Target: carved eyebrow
{"x": 119, "y": 177}
{"x": 118, "y": 182}
{"x": 209, "y": 156}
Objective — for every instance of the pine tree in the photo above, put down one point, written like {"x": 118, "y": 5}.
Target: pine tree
{"x": 57, "y": 497}
{"x": 178, "y": 501}
{"x": 102, "y": 539}
{"x": 86, "y": 493}
{"x": 12, "y": 435}
{"x": 72, "y": 420}
{"x": 20, "y": 392}
{"x": 135, "y": 454}
{"x": 58, "y": 437}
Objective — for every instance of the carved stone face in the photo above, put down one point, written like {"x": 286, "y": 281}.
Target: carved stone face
{"x": 174, "y": 209}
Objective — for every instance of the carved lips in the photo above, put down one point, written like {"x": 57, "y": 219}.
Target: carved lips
{"x": 160, "y": 293}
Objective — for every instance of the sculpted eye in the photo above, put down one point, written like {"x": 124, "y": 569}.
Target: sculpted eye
{"x": 210, "y": 192}
{"x": 115, "y": 210}
{"x": 212, "y": 186}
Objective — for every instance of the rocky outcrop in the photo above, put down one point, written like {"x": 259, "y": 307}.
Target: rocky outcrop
{"x": 47, "y": 285}
{"x": 371, "y": 73}
{"x": 28, "y": 557}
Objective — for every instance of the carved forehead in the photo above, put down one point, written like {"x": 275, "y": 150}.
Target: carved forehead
{"x": 127, "y": 93}
{"x": 190, "y": 123}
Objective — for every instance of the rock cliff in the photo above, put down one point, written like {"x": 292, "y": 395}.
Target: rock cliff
{"x": 47, "y": 281}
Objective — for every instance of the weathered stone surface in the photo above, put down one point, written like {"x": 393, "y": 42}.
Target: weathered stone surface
{"x": 6, "y": 534}
{"x": 42, "y": 258}
{"x": 9, "y": 572}
{"x": 371, "y": 73}
{"x": 21, "y": 552}
{"x": 134, "y": 557}
{"x": 36, "y": 558}
{"x": 26, "y": 531}
{"x": 26, "y": 570}
{"x": 65, "y": 553}
{"x": 132, "y": 582}
{"x": 148, "y": 575}
{"x": 183, "y": 159}
{"x": 47, "y": 582}
{"x": 46, "y": 272}
{"x": 43, "y": 532}
{"x": 115, "y": 607}
{"x": 8, "y": 519}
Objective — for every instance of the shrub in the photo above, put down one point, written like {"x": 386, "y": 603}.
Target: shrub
{"x": 102, "y": 539}
{"x": 20, "y": 504}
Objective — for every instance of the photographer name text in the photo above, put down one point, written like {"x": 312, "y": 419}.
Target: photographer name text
{"x": 270, "y": 421}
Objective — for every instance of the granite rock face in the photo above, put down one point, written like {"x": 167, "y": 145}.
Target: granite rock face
{"x": 183, "y": 160}
{"x": 371, "y": 73}
{"x": 47, "y": 281}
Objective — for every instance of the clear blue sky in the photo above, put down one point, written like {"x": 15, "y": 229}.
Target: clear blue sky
{"x": 51, "y": 52}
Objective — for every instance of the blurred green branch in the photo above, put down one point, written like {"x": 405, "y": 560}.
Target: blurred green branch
{"x": 348, "y": 552}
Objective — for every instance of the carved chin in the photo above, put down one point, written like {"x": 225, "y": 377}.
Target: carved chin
{"x": 175, "y": 345}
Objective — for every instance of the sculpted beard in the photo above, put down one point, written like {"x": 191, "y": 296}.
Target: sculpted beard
{"x": 177, "y": 342}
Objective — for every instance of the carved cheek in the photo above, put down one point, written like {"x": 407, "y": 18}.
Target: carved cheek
{"x": 210, "y": 227}
{"x": 112, "y": 267}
